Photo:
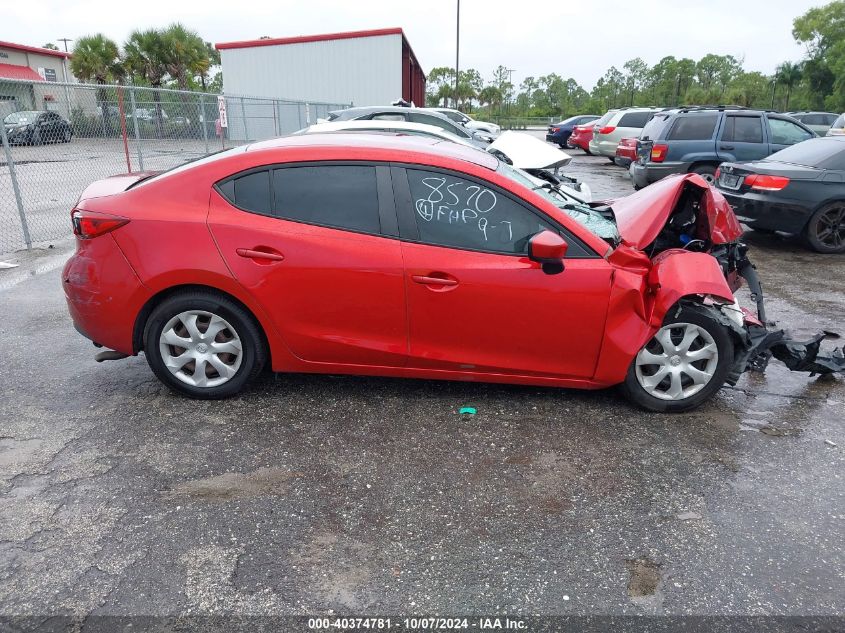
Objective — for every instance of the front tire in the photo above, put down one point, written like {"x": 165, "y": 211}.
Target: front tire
{"x": 825, "y": 232}
{"x": 684, "y": 363}
{"x": 203, "y": 345}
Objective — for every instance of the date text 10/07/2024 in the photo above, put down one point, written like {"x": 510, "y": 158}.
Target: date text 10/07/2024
{"x": 417, "y": 624}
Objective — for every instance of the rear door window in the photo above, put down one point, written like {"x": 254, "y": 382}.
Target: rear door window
{"x": 787, "y": 133}
{"x": 634, "y": 119}
{"x": 341, "y": 196}
{"x": 696, "y": 127}
{"x": 743, "y": 129}
{"x": 811, "y": 119}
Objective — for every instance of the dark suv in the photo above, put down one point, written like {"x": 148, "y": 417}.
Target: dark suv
{"x": 699, "y": 139}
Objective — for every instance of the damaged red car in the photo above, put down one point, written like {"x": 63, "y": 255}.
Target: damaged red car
{"x": 410, "y": 257}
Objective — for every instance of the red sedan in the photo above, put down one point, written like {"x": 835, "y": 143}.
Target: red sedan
{"x": 404, "y": 256}
{"x": 581, "y": 137}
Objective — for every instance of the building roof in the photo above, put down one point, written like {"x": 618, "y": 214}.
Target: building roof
{"x": 33, "y": 49}
{"x": 13, "y": 71}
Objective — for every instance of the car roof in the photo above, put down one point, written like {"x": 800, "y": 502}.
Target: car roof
{"x": 369, "y": 124}
{"x": 390, "y": 108}
{"x": 382, "y": 141}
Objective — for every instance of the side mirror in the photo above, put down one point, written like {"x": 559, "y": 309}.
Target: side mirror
{"x": 548, "y": 249}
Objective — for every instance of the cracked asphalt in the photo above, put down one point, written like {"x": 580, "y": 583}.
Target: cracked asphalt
{"x": 322, "y": 494}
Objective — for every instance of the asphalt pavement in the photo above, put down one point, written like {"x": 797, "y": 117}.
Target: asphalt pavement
{"x": 323, "y": 494}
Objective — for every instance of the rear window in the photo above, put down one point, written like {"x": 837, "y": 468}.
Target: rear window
{"x": 654, "y": 128}
{"x": 817, "y": 152}
{"x": 634, "y": 119}
{"x": 607, "y": 116}
{"x": 830, "y": 119}
{"x": 694, "y": 127}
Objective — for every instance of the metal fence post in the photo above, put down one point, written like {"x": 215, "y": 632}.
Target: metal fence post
{"x": 24, "y": 226}
{"x": 243, "y": 115}
{"x": 137, "y": 132}
{"x": 204, "y": 122}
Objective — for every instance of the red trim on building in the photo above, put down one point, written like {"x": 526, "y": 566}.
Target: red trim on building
{"x": 13, "y": 71}
{"x": 33, "y": 49}
{"x": 301, "y": 39}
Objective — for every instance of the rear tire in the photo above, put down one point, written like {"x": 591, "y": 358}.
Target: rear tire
{"x": 708, "y": 172}
{"x": 683, "y": 365}
{"x": 203, "y": 345}
{"x": 825, "y": 232}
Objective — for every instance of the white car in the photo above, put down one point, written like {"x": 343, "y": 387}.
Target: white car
{"x": 468, "y": 122}
{"x": 539, "y": 160}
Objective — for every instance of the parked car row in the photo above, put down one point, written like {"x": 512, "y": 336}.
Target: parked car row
{"x": 771, "y": 166}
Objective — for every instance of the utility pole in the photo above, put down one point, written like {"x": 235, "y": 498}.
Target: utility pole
{"x": 66, "y": 75}
{"x": 457, "y": 51}
{"x": 510, "y": 83}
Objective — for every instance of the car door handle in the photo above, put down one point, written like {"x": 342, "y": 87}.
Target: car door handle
{"x": 726, "y": 147}
{"x": 252, "y": 253}
{"x": 434, "y": 281}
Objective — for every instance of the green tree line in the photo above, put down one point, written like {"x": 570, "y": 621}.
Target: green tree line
{"x": 817, "y": 82}
{"x": 172, "y": 57}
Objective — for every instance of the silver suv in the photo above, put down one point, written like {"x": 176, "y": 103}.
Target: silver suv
{"x": 616, "y": 125}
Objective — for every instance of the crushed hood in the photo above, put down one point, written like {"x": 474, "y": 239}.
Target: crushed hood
{"x": 641, "y": 216}
{"x": 528, "y": 152}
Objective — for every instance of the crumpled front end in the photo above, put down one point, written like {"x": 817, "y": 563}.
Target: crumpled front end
{"x": 681, "y": 225}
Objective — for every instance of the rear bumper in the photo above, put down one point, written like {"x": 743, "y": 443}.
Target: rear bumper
{"x": 764, "y": 211}
{"x": 560, "y": 137}
{"x": 644, "y": 175}
{"x": 604, "y": 148}
{"x": 103, "y": 293}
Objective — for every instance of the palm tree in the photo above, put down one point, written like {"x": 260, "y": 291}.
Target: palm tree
{"x": 145, "y": 58}
{"x": 186, "y": 54}
{"x": 96, "y": 59}
{"x": 788, "y": 74}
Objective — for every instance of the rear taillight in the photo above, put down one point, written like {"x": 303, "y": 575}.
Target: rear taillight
{"x": 88, "y": 224}
{"x": 607, "y": 129}
{"x": 764, "y": 182}
{"x": 658, "y": 153}
{"x": 555, "y": 130}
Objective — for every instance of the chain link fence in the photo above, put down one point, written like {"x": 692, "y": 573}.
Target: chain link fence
{"x": 57, "y": 138}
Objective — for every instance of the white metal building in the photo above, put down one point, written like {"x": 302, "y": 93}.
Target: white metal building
{"x": 359, "y": 68}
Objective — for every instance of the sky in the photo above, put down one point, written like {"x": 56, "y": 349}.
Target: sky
{"x": 573, "y": 38}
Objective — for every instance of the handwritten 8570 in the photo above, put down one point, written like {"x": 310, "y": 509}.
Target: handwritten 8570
{"x": 462, "y": 205}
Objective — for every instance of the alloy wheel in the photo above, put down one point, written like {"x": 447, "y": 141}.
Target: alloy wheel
{"x": 678, "y": 362}
{"x": 830, "y": 229}
{"x": 200, "y": 348}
